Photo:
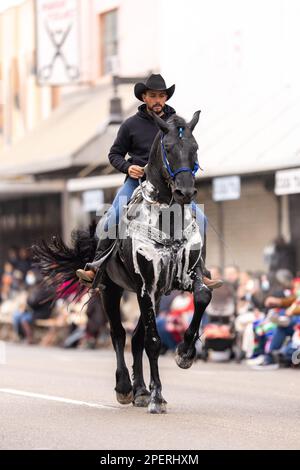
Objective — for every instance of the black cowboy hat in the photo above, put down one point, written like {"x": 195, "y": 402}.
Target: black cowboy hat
{"x": 154, "y": 82}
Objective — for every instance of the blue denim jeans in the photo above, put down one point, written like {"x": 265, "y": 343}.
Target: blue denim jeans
{"x": 280, "y": 334}
{"x": 288, "y": 351}
{"x": 18, "y": 317}
{"x": 125, "y": 193}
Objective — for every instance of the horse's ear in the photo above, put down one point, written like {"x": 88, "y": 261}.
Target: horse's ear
{"x": 194, "y": 120}
{"x": 163, "y": 125}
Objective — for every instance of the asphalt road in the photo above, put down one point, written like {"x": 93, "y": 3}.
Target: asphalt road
{"x": 64, "y": 399}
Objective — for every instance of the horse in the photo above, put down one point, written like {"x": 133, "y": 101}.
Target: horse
{"x": 148, "y": 260}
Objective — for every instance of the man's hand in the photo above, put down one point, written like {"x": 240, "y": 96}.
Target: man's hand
{"x": 135, "y": 171}
{"x": 290, "y": 311}
{"x": 272, "y": 302}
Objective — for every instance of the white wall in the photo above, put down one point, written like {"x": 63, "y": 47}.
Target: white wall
{"x": 226, "y": 54}
{"x": 138, "y": 34}
{"x": 104, "y": 5}
{"x": 17, "y": 44}
{"x": 5, "y": 4}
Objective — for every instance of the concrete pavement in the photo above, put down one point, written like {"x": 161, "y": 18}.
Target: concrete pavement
{"x": 64, "y": 399}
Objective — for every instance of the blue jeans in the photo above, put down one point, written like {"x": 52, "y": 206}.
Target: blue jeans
{"x": 126, "y": 191}
{"x": 288, "y": 351}
{"x": 18, "y": 317}
{"x": 280, "y": 334}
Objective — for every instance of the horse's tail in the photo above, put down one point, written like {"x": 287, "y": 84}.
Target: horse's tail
{"x": 58, "y": 262}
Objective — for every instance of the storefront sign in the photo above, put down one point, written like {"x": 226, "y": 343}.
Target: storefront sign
{"x": 93, "y": 200}
{"x": 226, "y": 188}
{"x": 287, "y": 182}
{"x": 58, "y": 42}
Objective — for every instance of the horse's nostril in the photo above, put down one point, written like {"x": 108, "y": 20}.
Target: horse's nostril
{"x": 186, "y": 193}
{"x": 179, "y": 193}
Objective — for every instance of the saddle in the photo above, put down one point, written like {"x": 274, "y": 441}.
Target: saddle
{"x": 145, "y": 194}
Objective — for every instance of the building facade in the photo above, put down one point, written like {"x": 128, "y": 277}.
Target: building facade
{"x": 244, "y": 80}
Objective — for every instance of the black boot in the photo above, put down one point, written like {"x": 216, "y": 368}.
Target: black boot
{"x": 102, "y": 250}
{"x": 92, "y": 273}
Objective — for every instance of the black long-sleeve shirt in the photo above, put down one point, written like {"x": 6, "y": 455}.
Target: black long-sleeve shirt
{"x": 135, "y": 138}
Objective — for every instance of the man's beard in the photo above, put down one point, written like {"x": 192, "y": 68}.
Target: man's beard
{"x": 159, "y": 109}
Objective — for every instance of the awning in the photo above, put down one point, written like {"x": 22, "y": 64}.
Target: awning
{"x": 11, "y": 190}
{"x": 95, "y": 182}
{"x": 70, "y": 137}
{"x": 252, "y": 136}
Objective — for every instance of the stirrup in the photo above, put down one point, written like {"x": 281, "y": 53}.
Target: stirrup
{"x": 97, "y": 281}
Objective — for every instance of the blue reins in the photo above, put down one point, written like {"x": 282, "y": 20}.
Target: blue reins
{"x": 166, "y": 161}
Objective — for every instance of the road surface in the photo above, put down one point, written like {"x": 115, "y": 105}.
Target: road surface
{"x": 64, "y": 399}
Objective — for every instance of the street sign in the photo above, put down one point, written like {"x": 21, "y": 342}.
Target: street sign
{"x": 93, "y": 200}
{"x": 287, "y": 182}
{"x": 226, "y": 188}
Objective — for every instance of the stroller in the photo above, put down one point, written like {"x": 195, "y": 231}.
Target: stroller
{"x": 219, "y": 336}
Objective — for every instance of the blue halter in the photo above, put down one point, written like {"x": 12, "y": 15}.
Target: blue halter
{"x": 167, "y": 164}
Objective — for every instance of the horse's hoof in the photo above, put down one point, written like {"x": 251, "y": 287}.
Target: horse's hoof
{"x": 125, "y": 398}
{"x": 157, "y": 408}
{"x": 183, "y": 360}
{"x": 142, "y": 400}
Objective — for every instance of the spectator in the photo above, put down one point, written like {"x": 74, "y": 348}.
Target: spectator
{"x": 86, "y": 334}
{"x": 12, "y": 256}
{"x": 166, "y": 302}
{"x": 222, "y": 302}
{"x": 23, "y": 262}
{"x": 20, "y": 315}
{"x": 38, "y": 306}
{"x": 288, "y": 317}
{"x": 293, "y": 346}
{"x": 232, "y": 276}
{"x": 6, "y": 281}
{"x": 279, "y": 255}
{"x": 172, "y": 325}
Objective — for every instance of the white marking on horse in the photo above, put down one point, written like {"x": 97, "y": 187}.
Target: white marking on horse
{"x": 162, "y": 257}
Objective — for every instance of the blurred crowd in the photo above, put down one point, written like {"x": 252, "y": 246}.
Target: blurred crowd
{"x": 31, "y": 307}
{"x": 254, "y": 317}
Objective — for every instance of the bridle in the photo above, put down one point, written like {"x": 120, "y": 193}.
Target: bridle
{"x": 172, "y": 173}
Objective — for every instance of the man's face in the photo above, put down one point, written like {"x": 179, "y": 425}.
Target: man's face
{"x": 155, "y": 100}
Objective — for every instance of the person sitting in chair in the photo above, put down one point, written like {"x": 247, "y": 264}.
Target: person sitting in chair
{"x": 135, "y": 138}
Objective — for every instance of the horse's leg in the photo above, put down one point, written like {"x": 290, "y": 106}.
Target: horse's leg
{"x": 186, "y": 351}
{"x": 152, "y": 346}
{"x": 111, "y": 300}
{"x": 140, "y": 392}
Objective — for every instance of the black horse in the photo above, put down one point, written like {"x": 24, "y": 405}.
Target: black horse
{"x": 149, "y": 257}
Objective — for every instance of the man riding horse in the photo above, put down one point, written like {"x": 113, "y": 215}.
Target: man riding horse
{"x": 135, "y": 138}
{"x": 163, "y": 248}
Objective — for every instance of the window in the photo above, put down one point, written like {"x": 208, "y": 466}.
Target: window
{"x": 109, "y": 41}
